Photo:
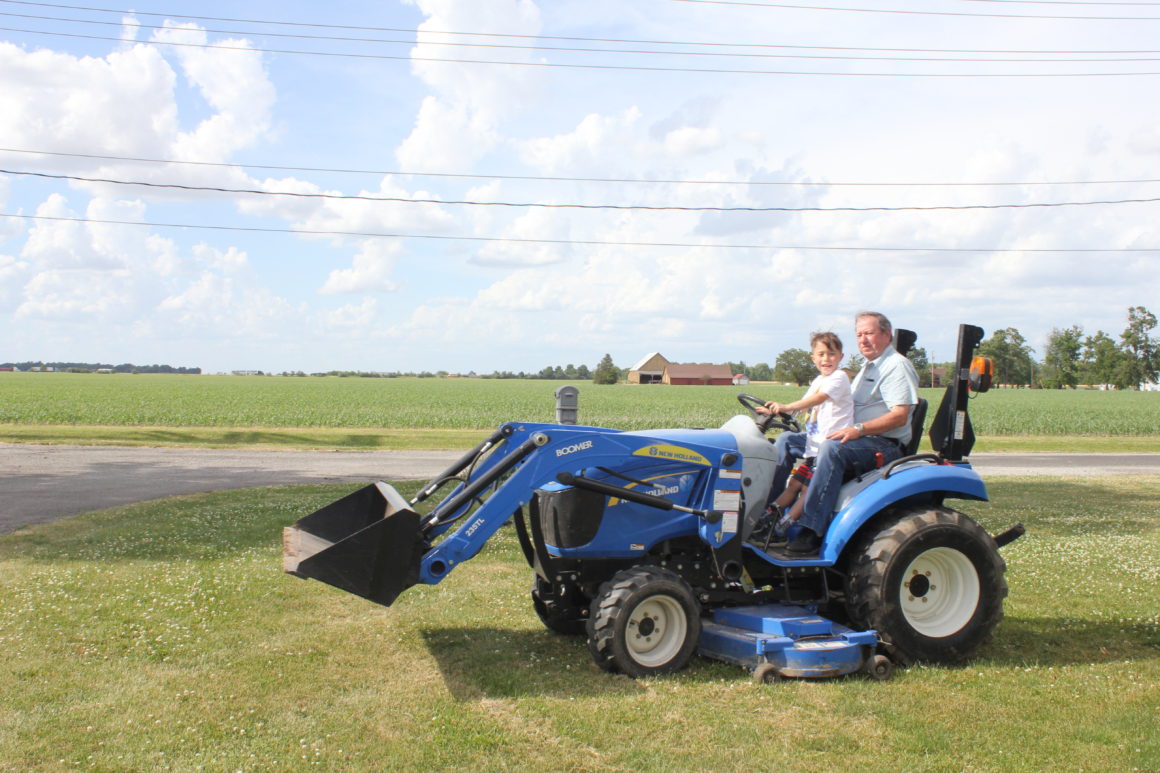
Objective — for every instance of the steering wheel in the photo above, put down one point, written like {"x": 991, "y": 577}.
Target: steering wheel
{"x": 767, "y": 421}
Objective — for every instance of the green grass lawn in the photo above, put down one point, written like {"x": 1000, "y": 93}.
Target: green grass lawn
{"x": 164, "y": 636}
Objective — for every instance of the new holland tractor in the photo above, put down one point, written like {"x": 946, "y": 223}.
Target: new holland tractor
{"x": 639, "y": 541}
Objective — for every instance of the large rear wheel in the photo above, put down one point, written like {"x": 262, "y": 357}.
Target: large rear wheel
{"x": 930, "y": 582}
{"x": 644, "y": 622}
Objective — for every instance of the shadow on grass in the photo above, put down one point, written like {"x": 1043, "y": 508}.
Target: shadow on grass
{"x": 1070, "y": 642}
{"x": 494, "y": 663}
{"x": 497, "y": 663}
{"x": 1057, "y": 507}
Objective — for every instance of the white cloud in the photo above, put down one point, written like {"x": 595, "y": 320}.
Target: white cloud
{"x": 594, "y": 139}
{"x": 121, "y": 104}
{"x": 488, "y": 93}
{"x": 691, "y": 141}
{"x": 458, "y": 123}
{"x": 350, "y": 317}
{"x": 546, "y": 226}
{"x": 445, "y": 139}
{"x": 371, "y": 270}
{"x": 215, "y": 307}
{"x": 232, "y": 82}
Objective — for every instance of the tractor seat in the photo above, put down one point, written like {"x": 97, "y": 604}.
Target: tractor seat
{"x": 917, "y": 417}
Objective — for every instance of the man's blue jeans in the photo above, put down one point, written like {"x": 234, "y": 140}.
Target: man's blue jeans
{"x": 834, "y": 460}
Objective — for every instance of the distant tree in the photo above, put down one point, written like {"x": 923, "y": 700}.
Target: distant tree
{"x": 570, "y": 371}
{"x": 582, "y": 373}
{"x": 794, "y": 365}
{"x": 1102, "y": 360}
{"x": 1061, "y": 360}
{"x": 1142, "y": 353}
{"x": 606, "y": 372}
{"x": 854, "y": 362}
{"x": 761, "y": 372}
{"x": 921, "y": 362}
{"x": 1011, "y": 355}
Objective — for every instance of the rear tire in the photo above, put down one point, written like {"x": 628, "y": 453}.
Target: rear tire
{"x": 930, "y": 582}
{"x": 644, "y": 622}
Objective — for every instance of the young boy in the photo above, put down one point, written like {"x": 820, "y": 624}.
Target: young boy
{"x": 831, "y": 405}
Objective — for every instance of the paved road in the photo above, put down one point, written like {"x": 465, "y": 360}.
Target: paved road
{"x": 43, "y": 483}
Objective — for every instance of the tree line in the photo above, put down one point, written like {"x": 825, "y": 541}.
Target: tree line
{"x": 93, "y": 367}
{"x": 1071, "y": 358}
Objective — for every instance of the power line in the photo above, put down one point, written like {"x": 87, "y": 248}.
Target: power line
{"x": 624, "y": 67}
{"x": 583, "y": 242}
{"x": 1150, "y": 3}
{"x": 796, "y": 7}
{"x": 787, "y": 6}
{"x": 572, "y": 38}
{"x": 618, "y": 67}
{"x": 548, "y": 205}
{"x": 618, "y": 180}
{"x": 991, "y": 58}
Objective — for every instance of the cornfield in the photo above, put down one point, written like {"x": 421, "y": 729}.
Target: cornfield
{"x": 405, "y": 403}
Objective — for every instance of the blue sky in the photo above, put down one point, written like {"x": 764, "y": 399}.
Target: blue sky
{"x": 843, "y": 135}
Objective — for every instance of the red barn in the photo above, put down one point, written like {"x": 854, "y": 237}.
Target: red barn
{"x": 715, "y": 375}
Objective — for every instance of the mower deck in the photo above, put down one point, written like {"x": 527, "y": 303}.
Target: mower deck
{"x": 784, "y": 641}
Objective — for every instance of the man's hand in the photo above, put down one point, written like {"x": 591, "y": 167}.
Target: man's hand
{"x": 898, "y": 415}
{"x": 844, "y": 434}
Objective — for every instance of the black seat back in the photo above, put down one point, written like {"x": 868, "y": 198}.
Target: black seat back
{"x": 917, "y": 417}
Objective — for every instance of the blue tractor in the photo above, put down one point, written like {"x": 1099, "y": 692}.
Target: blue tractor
{"x": 640, "y": 542}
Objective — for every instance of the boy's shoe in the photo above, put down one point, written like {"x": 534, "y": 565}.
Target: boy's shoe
{"x": 806, "y": 543}
{"x": 765, "y": 532}
{"x": 781, "y": 530}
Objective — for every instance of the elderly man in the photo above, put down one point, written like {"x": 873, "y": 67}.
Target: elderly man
{"x": 885, "y": 391}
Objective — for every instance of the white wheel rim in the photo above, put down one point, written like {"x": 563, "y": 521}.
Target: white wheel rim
{"x": 656, "y": 631}
{"x": 940, "y": 592}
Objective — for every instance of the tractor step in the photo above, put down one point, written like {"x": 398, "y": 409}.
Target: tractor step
{"x": 784, "y": 641}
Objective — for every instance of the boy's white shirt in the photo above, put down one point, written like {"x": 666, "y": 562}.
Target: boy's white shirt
{"x": 835, "y": 413}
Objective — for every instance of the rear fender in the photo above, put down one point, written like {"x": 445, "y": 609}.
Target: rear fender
{"x": 862, "y": 499}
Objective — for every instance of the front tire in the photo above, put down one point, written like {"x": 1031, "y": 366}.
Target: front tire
{"x": 931, "y": 583}
{"x": 644, "y": 622}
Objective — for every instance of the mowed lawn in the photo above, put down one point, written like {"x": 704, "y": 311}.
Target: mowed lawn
{"x": 163, "y": 636}
{"x": 454, "y": 413}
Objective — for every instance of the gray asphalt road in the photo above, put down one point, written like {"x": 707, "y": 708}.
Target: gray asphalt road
{"x": 44, "y": 483}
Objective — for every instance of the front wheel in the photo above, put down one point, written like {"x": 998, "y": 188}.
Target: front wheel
{"x": 931, "y": 583}
{"x": 644, "y": 622}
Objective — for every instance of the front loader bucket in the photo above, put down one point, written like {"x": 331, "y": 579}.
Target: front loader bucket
{"x": 367, "y": 543}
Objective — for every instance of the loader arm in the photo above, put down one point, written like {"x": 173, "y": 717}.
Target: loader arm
{"x": 375, "y": 545}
